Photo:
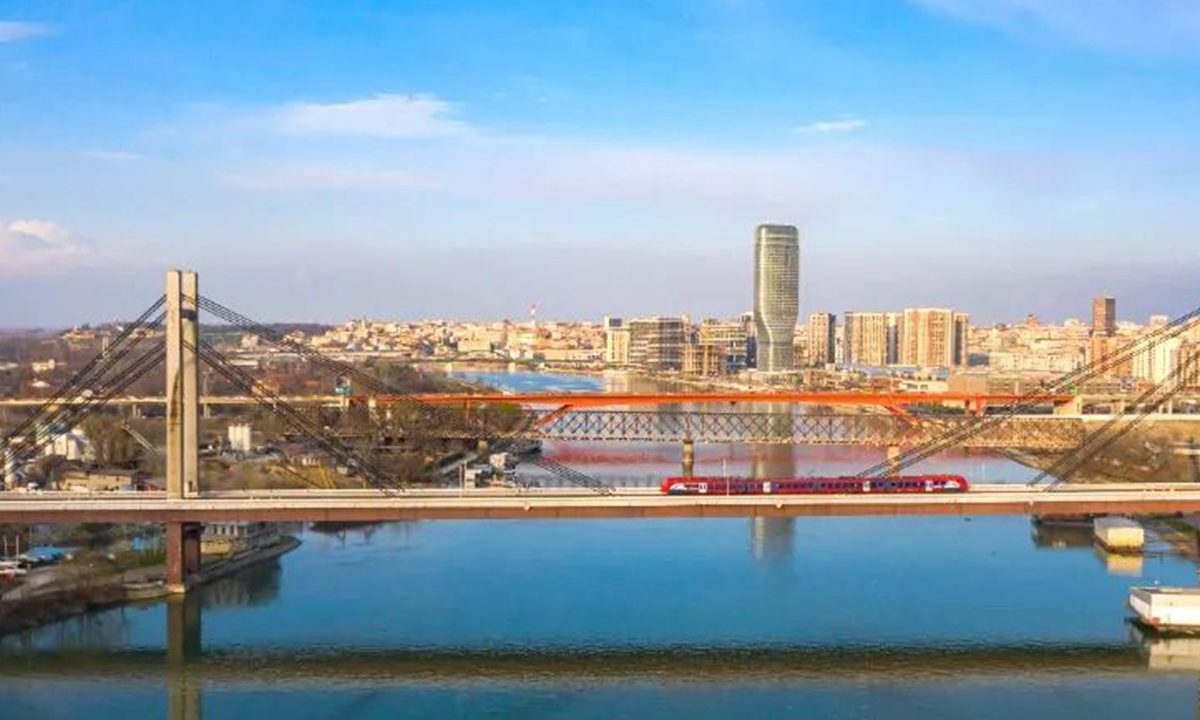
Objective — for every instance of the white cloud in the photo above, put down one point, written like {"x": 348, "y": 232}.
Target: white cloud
{"x": 117, "y": 157}
{"x": 383, "y": 116}
{"x": 12, "y": 31}
{"x": 1144, "y": 25}
{"x": 41, "y": 230}
{"x": 38, "y": 246}
{"x": 843, "y": 125}
{"x": 326, "y": 178}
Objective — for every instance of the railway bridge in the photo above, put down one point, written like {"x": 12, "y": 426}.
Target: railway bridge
{"x": 886, "y": 420}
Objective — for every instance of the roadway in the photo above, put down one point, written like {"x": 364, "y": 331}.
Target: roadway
{"x": 508, "y": 504}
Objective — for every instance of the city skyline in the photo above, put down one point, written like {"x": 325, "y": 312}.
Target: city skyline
{"x": 1080, "y": 317}
{"x": 370, "y": 153}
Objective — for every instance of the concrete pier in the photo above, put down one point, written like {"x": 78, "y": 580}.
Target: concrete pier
{"x": 689, "y": 458}
{"x": 182, "y": 555}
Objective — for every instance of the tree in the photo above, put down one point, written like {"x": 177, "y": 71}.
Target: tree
{"x": 111, "y": 443}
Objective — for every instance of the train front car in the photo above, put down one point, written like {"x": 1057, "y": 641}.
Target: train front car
{"x": 711, "y": 486}
{"x": 950, "y": 483}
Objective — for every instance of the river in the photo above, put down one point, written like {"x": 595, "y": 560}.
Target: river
{"x": 814, "y": 617}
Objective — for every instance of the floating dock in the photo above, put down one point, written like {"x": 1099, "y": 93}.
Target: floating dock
{"x": 1167, "y": 609}
{"x": 1119, "y": 534}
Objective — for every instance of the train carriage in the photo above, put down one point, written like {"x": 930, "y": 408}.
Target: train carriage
{"x": 847, "y": 485}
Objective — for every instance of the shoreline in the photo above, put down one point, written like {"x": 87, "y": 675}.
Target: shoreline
{"x": 89, "y": 594}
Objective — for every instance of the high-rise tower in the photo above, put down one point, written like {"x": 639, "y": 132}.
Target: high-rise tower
{"x": 1104, "y": 316}
{"x": 776, "y": 294}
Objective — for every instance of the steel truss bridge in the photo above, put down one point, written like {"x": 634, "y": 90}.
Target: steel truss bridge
{"x": 1026, "y": 433}
{"x": 595, "y": 417}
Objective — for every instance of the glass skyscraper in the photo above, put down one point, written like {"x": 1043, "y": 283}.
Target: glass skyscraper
{"x": 776, "y": 294}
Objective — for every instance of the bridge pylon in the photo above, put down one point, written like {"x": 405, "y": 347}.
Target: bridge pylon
{"x": 183, "y": 423}
{"x": 183, "y": 385}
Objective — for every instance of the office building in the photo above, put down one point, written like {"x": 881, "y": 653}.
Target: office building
{"x": 1104, "y": 316}
{"x": 895, "y": 336}
{"x": 1104, "y": 345}
{"x": 776, "y": 295}
{"x": 1188, "y": 359}
{"x": 616, "y": 341}
{"x": 1156, "y": 363}
{"x": 822, "y": 339}
{"x": 656, "y": 343}
{"x": 704, "y": 360}
{"x": 962, "y": 336}
{"x": 934, "y": 338}
{"x": 865, "y": 338}
{"x": 731, "y": 337}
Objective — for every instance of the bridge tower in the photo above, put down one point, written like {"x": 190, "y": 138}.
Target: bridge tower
{"x": 183, "y": 422}
{"x": 183, "y": 385}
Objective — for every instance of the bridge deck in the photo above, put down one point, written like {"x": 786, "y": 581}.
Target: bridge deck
{"x": 549, "y": 504}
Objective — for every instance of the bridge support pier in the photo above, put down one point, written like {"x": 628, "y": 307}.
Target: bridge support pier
{"x": 183, "y": 555}
{"x": 482, "y": 449}
{"x": 689, "y": 458}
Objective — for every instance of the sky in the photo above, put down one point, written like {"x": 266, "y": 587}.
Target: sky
{"x": 447, "y": 158}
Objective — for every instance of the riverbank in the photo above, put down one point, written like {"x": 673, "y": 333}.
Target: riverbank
{"x": 1154, "y": 452}
{"x": 80, "y": 592}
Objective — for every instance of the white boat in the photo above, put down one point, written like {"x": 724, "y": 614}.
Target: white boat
{"x": 10, "y": 569}
{"x": 1169, "y": 609}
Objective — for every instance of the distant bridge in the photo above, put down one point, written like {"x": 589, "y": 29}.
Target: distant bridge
{"x": 1041, "y": 433}
{"x": 893, "y": 401}
{"x": 661, "y": 417}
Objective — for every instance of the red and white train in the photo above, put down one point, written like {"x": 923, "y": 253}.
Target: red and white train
{"x": 850, "y": 485}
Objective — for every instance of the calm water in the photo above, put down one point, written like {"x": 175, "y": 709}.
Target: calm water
{"x": 806, "y": 618}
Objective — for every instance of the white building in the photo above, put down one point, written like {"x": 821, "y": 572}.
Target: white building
{"x": 240, "y": 437}
{"x": 1155, "y": 364}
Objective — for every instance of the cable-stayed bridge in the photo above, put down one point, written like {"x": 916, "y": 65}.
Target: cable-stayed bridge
{"x": 168, "y": 332}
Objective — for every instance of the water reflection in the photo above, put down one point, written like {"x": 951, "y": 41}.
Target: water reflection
{"x": 251, "y": 587}
{"x": 307, "y": 653}
{"x": 1166, "y": 537}
{"x": 1129, "y": 565}
{"x": 772, "y": 539}
{"x": 89, "y": 630}
{"x": 1164, "y": 652}
{"x": 1061, "y": 534}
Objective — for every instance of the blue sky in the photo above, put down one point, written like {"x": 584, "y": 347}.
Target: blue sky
{"x": 320, "y": 160}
